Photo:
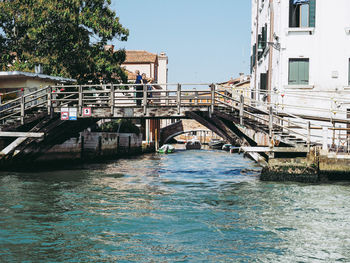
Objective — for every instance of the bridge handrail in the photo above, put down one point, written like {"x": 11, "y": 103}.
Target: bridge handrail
{"x": 113, "y": 95}
{"x": 276, "y": 124}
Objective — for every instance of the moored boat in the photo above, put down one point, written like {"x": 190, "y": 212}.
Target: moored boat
{"x": 166, "y": 148}
{"x": 226, "y": 147}
{"x": 216, "y": 144}
{"x": 234, "y": 149}
{"x": 193, "y": 144}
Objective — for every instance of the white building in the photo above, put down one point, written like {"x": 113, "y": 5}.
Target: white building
{"x": 153, "y": 65}
{"x": 301, "y": 53}
{"x": 156, "y": 67}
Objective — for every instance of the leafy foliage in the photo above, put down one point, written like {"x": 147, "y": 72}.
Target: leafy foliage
{"x": 67, "y": 37}
{"x": 123, "y": 126}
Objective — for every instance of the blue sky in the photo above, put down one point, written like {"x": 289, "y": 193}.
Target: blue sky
{"x": 205, "y": 40}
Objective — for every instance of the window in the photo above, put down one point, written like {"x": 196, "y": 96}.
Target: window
{"x": 302, "y": 13}
{"x": 262, "y": 41}
{"x": 263, "y": 83}
{"x": 252, "y": 59}
{"x": 298, "y": 71}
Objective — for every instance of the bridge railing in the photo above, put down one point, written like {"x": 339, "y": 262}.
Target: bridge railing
{"x": 129, "y": 95}
{"x": 236, "y": 101}
{"x": 316, "y": 123}
{"x": 265, "y": 114}
{"x": 17, "y": 108}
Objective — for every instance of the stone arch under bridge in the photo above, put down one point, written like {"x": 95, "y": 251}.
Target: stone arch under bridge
{"x": 172, "y": 136}
{"x": 223, "y": 125}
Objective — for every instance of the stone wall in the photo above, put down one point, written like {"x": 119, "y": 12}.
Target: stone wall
{"x": 92, "y": 145}
{"x": 316, "y": 167}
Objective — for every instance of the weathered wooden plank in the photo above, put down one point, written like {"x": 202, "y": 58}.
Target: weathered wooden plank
{"x": 275, "y": 149}
{"x": 22, "y": 134}
{"x": 12, "y": 146}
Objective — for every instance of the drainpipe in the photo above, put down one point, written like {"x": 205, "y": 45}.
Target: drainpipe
{"x": 256, "y": 50}
{"x": 271, "y": 40}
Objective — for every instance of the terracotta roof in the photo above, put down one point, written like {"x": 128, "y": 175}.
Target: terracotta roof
{"x": 237, "y": 81}
{"x": 139, "y": 56}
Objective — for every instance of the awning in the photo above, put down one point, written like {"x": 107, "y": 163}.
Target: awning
{"x": 300, "y": 2}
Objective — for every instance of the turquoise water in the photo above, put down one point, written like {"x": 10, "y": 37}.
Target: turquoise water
{"x": 191, "y": 206}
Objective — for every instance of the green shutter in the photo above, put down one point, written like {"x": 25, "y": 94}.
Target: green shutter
{"x": 251, "y": 64}
{"x": 260, "y": 43}
{"x": 293, "y": 72}
{"x": 265, "y": 36}
{"x": 312, "y": 13}
{"x": 303, "y": 72}
{"x": 254, "y": 54}
{"x": 298, "y": 72}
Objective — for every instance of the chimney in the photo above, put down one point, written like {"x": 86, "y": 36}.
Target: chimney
{"x": 162, "y": 76}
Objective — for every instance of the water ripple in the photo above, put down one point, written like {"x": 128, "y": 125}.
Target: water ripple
{"x": 191, "y": 206}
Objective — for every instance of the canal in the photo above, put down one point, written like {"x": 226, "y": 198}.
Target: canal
{"x": 190, "y": 206}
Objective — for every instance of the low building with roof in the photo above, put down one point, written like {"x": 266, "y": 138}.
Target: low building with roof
{"x": 239, "y": 85}
{"x": 14, "y": 82}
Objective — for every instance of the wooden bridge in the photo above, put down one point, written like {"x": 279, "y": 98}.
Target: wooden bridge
{"x": 36, "y": 121}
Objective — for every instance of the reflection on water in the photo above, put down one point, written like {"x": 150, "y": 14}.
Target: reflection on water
{"x": 189, "y": 206}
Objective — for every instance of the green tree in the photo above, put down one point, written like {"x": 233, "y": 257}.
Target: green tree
{"x": 67, "y": 37}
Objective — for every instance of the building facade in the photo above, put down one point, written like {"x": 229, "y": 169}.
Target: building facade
{"x": 16, "y": 83}
{"x": 153, "y": 65}
{"x": 300, "y": 55}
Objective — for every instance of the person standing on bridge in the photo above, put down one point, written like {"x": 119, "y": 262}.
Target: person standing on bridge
{"x": 150, "y": 88}
{"x": 138, "y": 88}
{"x": 144, "y": 81}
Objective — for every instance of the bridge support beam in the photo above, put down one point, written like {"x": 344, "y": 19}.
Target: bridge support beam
{"x": 271, "y": 126}
{"x": 144, "y": 99}
{"x": 212, "y": 91}
{"x": 241, "y": 109}
{"x": 22, "y": 109}
{"x": 80, "y": 101}
{"x": 178, "y": 100}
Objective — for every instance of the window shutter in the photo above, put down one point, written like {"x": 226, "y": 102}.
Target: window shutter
{"x": 260, "y": 43}
{"x": 265, "y": 36}
{"x": 312, "y": 13}
{"x": 291, "y": 13}
{"x": 304, "y": 72}
{"x": 298, "y": 72}
{"x": 293, "y": 72}
{"x": 263, "y": 82}
{"x": 254, "y": 54}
